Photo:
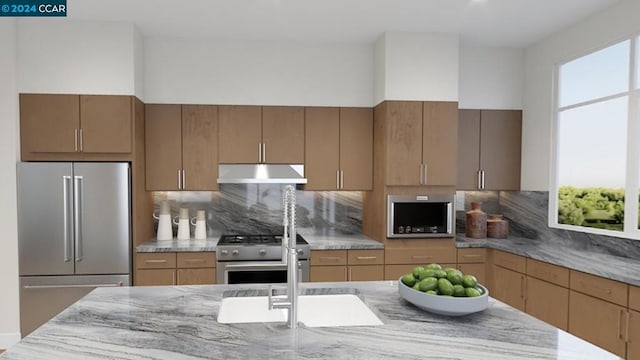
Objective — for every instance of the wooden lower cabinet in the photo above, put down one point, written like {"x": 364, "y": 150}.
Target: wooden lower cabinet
{"x": 477, "y": 270}
{"x": 185, "y": 268}
{"x": 365, "y": 272}
{"x": 331, "y": 273}
{"x": 597, "y": 321}
{"x": 547, "y": 302}
{"x": 509, "y": 287}
{"x": 153, "y": 277}
{"x": 633, "y": 336}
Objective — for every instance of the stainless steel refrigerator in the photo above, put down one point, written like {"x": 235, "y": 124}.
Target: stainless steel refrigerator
{"x": 74, "y": 229}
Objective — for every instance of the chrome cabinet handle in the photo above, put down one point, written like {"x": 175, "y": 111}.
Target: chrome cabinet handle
{"x": 366, "y": 257}
{"x": 75, "y": 139}
{"x": 479, "y": 175}
{"x": 194, "y": 260}
{"x": 341, "y": 179}
{"x": 184, "y": 181}
{"x": 179, "y": 180}
{"x": 264, "y": 152}
{"x": 424, "y": 176}
{"x": 81, "y": 140}
{"x": 155, "y": 261}
{"x": 338, "y": 179}
{"x": 482, "y": 177}
{"x": 259, "y": 152}
{"x": 421, "y": 173}
{"x": 78, "y": 216}
{"x": 72, "y": 286}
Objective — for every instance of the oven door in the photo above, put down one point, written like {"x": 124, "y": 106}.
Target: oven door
{"x": 254, "y": 272}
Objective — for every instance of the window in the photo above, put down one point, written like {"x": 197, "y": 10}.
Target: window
{"x": 596, "y": 163}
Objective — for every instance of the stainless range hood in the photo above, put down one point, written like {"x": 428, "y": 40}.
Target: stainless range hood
{"x": 261, "y": 174}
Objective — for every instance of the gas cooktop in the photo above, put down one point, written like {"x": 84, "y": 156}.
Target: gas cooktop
{"x": 264, "y": 239}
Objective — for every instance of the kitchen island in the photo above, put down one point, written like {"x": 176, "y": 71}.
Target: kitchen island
{"x": 179, "y": 322}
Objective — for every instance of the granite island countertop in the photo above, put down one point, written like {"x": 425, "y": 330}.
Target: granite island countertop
{"x": 180, "y": 323}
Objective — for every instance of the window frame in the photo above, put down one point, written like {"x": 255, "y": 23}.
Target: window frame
{"x": 632, "y": 179}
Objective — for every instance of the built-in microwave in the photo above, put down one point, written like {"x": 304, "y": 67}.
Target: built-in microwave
{"x": 420, "y": 216}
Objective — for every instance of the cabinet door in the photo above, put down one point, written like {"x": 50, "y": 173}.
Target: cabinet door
{"x": 633, "y": 336}
{"x": 500, "y": 141}
{"x": 547, "y": 302}
{"x": 155, "y": 277}
{"x": 356, "y": 148}
{"x": 163, "y": 146}
{"x": 477, "y": 270}
{"x": 322, "y": 152}
{"x": 239, "y": 134}
{"x": 49, "y": 123}
{"x": 393, "y": 272}
{"x": 366, "y": 273}
{"x": 196, "y": 276}
{"x": 105, "y": 123}
{"x": 440, "y": 142}
{"x": 404, "y": 141}
{"x": 508, "y": 287}
{"x": 327, "y": 273}
{"x": 283, "y": 134}
{"x": 468, "y": 149}
{"x": 200, "y": 147}
{"x": 597, "y": 321}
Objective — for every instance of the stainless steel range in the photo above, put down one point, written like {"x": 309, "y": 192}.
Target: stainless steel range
{"x": 243, "y": 259}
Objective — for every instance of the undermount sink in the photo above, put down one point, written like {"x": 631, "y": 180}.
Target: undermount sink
{"x": 313, "y": 311}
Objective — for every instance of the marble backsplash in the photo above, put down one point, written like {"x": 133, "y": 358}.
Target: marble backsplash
{"x": 527, "y": 213}
{"x": 257, "y": 209}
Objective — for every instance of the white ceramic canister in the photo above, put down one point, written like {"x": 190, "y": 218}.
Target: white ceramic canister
{"x": 200, "y": 224}
{"x": 184, "y": 227}
{"x": 164, "y": 222}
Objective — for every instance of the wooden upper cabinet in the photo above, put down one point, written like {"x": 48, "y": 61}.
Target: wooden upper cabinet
{"x": 49, "y": 123}
{"x": 356, "y": 148}
{"x": 239, "y": 134}
{"x": 440, "y": 142}
{"x": 163, "y": 146}
{"x": 403, "y": 123}
{"x": 468, "y": 149}
{"x": 283, "y": 134}
{"x": 65, "y": 127}
{"x": 105, "y": 123}
{"x": 489, "y": 141}
{"x": 322, "y": 148}
{"x": 200, "y": 147}
{"x": 500, "y": 139}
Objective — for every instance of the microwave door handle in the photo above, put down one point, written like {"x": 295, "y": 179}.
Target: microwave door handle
{"x": 449, "y": 217}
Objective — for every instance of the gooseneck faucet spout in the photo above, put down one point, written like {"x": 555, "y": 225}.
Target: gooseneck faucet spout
{"x": 290, "y": 256}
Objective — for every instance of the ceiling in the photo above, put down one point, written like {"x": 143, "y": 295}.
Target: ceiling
{"x": 508, "y": 23}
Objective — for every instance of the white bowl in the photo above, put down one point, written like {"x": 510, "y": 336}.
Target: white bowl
{"x": 444, "y": 305}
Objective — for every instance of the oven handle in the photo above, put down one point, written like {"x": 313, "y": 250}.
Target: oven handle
{"x": 258, "y": 266}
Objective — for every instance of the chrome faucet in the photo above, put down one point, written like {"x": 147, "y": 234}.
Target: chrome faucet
{"x": 290, "y": 258}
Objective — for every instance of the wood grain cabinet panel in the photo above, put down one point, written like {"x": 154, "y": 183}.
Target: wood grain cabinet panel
{"x": 365, "y": 257}
{"x": 163, "y": 146}
{"x": 548, "y": 302}
{"x": 196, "y": 260}
{"x": 404, "y": 141}
{"x": 200, "y": 147}
{"x": 49, "y": 123}
{"x": 328, "y": 257}
{"x": 472, "y": 255}
{"x": 393, "y": 272}
{"x": 239, "y": 134}
{"x": 633, "y": 336}
{"x": 478, "y": 270}
{"x": 333, "y": 273}
{"x": 366, "y": 273}
{"x": 508, "y": 286}
{"x": 598, "y": 321}
{"x": 548, "y": 272}
{"x": 420, "y": 256}
{"x": 106, "y": 123}
{"x": 510, "y": 261}
{"x": 190, "y": 276}
{"x": 439, "y": 142}
{"x": 283, "y": 134}
{"x": 634, "y": 298}
{"x": 322, "y": 148}
{"x": 489, "y": 141}
{"x": 155, "y": 260}
{"x": 605, "y": 289}
{"x": 155, "y": 277}
{"x": 356, "y": 149}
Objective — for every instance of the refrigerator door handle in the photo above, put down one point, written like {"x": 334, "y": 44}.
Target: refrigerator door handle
{"x": 78, "y": 215}
{"x": 66, "y": 234}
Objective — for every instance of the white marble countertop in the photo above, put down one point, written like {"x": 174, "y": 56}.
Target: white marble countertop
{"x": 179, "y": 323}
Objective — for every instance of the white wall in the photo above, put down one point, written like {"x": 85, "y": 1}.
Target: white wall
{"x": 607, "y": 27}
{"x": 491, "y": 78}
{"x": 257, "y": 72}
{"x": 138, "y": 63}
{"x": 418, "y": 66}
{"x": 65, "y": 56}
{"x": 9, "y": 300}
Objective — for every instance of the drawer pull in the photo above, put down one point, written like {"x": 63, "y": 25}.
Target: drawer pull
{"x": 329, "y": 258}
{"x": 471, "y": 256}
{"x": 155, "y": 261}
{"x": 194, "y": 260}
{"x": 421, "y": 257}
{"x": 366, "y": 257}
{"x": 620, "y": 315}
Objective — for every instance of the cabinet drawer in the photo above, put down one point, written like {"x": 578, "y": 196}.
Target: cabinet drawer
{"x": 366, "y": 257}
{"x": 327, "y": 273}
{"x": 155, "y": 277}
{"x": 197, "y": 260}
{"x": 196, "y": 276}
{"x": 605, "y": 289}
{"x": 634, "y": 297}
{"x": 472, "y": 255}
{"x": 509, "y": 261}
{"x": 420, "y": 256}
{"x": 552, "y": 273}
{"x": 328, "y": 257}
{"x": 156, "y": 260}
{"x": 366, "y": 273}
